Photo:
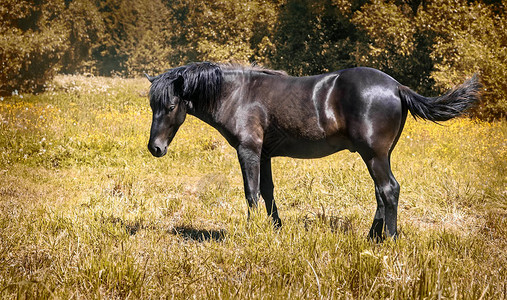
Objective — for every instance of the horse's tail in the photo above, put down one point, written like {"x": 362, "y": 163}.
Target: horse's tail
{"x": 452, "y": 104}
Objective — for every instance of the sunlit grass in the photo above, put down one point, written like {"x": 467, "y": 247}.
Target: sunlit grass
{"x": 87, "y": 212}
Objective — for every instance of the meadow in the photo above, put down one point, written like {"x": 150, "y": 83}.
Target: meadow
{"x": 87, "y": 213}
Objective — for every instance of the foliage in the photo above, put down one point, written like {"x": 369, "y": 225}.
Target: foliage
{"x": 427, "y": 45}
{"x": 87, "y": 212}
{"x": 436, "y": 46}
{"x": 136, "y": 39}
{"x": 32, "y": 40}
{"x": 229, "y": 30}
{"x": 313, "y": 37}
{"x": 470, "y": 38}
{"x": 84, "y": 29}
{"x": 394, "y": 42}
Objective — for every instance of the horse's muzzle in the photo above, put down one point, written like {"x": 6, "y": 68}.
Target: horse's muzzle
{"x": 157, "y": 150}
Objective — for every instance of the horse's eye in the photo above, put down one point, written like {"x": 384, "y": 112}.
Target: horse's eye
{"x": 171, "y": 108}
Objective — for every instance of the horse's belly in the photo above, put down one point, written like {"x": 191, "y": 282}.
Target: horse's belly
{"x": 304, "y": 148}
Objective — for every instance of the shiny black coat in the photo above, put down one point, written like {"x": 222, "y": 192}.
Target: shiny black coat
{"x": 264, "y": 113}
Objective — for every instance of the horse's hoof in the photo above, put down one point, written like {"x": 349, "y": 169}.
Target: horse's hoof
{"x": 277, "y": 223}
{"x": 375, "y": 238}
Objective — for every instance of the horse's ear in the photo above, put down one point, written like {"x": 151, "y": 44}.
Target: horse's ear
{"x": 149, "y": 77}
{"x": 179, "y": 85}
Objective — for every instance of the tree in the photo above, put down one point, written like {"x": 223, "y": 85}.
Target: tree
{"x": 84, "y": 27}
{"x": 470, "y": 38}
{"x": 433, "y": 47}
{"x": 136, "y": 39}
{"x": 224, "y": 30}
{"x": 32, "y": 42}
{"x": 429, "y": 45}
{"x": 314, "y": 36}
{"x": 395, "y": 43}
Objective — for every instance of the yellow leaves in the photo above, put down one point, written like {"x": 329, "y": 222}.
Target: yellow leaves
{"x": 390, "y": 31}
{"x": 236, "y": 39}
{"x": 470, "y": 38}
{"x": 446, "y": 41}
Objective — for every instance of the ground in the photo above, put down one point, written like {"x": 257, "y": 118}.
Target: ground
{"x": 87, "y": 212}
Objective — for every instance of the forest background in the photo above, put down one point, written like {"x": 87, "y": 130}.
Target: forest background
{"x": 427, "y": 45}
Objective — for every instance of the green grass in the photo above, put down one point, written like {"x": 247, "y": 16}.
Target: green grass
{"x": 87, "y": 212}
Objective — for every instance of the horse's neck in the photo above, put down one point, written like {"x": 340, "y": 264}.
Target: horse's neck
{"x": 212, "y": 117}
{"x": 206, "y": 117}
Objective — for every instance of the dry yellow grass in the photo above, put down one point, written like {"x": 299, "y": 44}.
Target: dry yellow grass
{"x": 86, "y": 212}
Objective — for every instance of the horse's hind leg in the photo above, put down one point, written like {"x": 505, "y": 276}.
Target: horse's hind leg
{"x": 387, "y": 191}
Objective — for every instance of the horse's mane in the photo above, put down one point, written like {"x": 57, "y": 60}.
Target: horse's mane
{"x": 198, "y": 82}
{"x": 252, "y": 68}
{"x": 201, "y": 83}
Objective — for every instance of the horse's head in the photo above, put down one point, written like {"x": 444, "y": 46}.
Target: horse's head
{"x": 169, "y": 111}
{"x": 193, "y": 88}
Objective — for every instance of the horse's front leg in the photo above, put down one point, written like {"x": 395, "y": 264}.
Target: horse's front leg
{"x": 267, "y": 191}
{"x": 249, "y": 160}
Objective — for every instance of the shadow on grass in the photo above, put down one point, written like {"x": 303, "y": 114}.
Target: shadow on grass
{"x": 199, "y": 235}
{"x": 335, "y": 223}
{"x": 186, "y": 232}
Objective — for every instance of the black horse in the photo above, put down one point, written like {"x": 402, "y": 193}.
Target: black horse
{"x": 264, "y": 113}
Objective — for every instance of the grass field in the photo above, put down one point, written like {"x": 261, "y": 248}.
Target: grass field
{"x": 87, "y": 212}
